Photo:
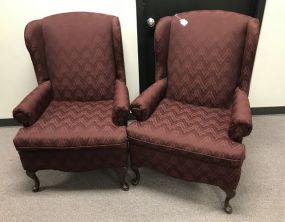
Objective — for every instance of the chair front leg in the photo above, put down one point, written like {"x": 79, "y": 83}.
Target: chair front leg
{"x": 229, "y": 195}
{"x": 136, "y": 180}
{"x": 34, "y": 177}
{"x": 122, "y": 172}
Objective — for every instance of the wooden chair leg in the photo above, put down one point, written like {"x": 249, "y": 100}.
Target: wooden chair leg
{"x": 34, "y": 177}
{"x": 136, "y": 180}
{"x": 122, "y": 172}
{"x": 230, "y": 194}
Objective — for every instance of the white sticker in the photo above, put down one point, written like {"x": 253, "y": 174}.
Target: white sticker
{"x": 183, "y": 22}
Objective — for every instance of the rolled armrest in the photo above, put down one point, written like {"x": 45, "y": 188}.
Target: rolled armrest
{"x": 241, "y": 119}
{"x": 33, "y": 105}
{"x": 143, "y": 106}
{"x": 121, "y": 104}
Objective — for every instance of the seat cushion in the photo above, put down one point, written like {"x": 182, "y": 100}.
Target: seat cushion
{"x": 73, "y": 125}
{"x": 188, "y": 129}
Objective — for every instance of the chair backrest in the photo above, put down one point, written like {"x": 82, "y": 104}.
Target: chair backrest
{"x": 208, "y": 58}
{"x": 80, "y": 53}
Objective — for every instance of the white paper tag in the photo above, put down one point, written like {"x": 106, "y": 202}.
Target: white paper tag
{"x": 183, "y": 22}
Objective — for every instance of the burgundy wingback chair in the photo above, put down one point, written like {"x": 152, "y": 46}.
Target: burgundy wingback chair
{"x": 75, "y": 119}
{"x": 191, "y": 121}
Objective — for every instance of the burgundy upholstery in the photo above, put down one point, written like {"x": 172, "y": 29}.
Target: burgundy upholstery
{"x": 185, "y": 166}
{"x": 68, "y": 125}
{"x": 73, "y": 136}
{"x": 76, "y": 118}
{"x": 33, "y": 105}
{"x": 121, "y": 104}
{"x": 252, "y": 35}
{"x": 192, "y": 126}
{"x": 187, "y": 128}
{"x": 36, "y": 47}
{"x": 74, "y": 160}
{"x": 161, "y": 41}
{"x": 241, "y": 122}
{"x": 204, "y": 57}
{"x": 144, "y": 105}
{"x": 78, "y": 66}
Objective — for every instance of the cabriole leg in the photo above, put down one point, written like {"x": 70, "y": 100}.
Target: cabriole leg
{"x": 34, "y": 177}
{"x": 136, "y": 180}
{"x": 227, "y": 207}
{"x": 122, "y": 172}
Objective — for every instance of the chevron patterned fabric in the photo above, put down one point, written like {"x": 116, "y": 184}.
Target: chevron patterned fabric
{"x": 195, "y": 132}
{"x": 35, "y": 45}
{"x": 144, "y": 105}
{"x": 121, "y": 104}
{"x": 241, "y": 119}
{"x": 75, "y": 120}
{"x": 33, "y": 105}
{"x": 249, "y": 54}
{"x": 161, "y": 40}
{"x": 80, "y": 58}
{"x": 185, "y": 166}
{"x": 118, "y": 50}
{"x": 205, "y": 57}
{"x": 73, "y": 125}
{"x": 185, "y": 128}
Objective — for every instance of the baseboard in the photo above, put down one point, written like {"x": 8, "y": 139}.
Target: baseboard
{"x": 9, "y": 122}
{"x": 255, "y": 111}
{"x": 268, "y": 110}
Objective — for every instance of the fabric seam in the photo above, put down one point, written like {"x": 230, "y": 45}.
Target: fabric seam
{"x": 184, "y": 150}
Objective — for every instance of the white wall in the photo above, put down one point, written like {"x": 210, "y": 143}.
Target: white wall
{"x": 268, "y": 81}
{"x": 17, "y": 76}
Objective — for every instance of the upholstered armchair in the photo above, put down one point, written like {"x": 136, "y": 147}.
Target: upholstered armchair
{"x": 191, "y": 121}
{"x": 75, "y": 119}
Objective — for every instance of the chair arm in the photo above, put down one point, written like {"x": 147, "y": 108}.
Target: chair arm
{"x": 144, "y": 105}
{"x": 121, "y": 104}
{"x": 241, "y": 119}
{"x": 33, "y": 105}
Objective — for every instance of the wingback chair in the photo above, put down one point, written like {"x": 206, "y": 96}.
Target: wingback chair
{"x": 191, "y": 121}
{"x": 75, "y": 119}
